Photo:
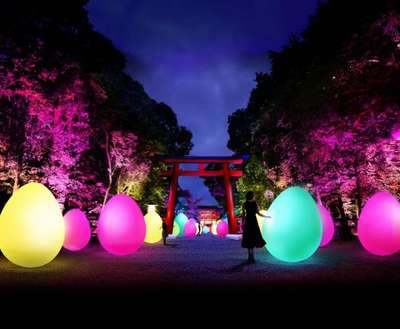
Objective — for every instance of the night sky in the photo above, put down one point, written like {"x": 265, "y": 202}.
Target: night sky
{"x": 200, "y": 56}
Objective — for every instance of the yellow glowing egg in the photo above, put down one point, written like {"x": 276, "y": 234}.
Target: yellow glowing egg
{"x": 153, "y": 225}
{"x": 31, "y": 226}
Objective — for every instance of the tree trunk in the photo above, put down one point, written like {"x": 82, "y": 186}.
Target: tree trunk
{"x": 106, "y": 195}
{"x": 345, "y": 230}
{"x": 358, "y": 197}
{"x": 109, "y": 166}
{"x": 16, "y": 180}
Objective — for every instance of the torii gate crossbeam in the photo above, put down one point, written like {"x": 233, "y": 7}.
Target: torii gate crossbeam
{"x": 175, "y": 171}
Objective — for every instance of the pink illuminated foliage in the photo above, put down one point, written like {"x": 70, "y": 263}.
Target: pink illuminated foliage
{"x": 48, "y": 135}
{"x": 71, "y": 118}
{"x": 327, "y": 120}
{"x": 123, "y": 163}
{"x": 190, "y": 203}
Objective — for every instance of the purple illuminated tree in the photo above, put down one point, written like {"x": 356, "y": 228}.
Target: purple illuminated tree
{"x": 69, "y": 115}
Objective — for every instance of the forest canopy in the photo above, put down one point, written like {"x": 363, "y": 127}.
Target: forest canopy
{"x": 70, "y": 116}
{"x": 323, "y": 116}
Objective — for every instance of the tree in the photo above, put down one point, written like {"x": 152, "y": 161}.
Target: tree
{"x": 255, "y": 179}
{"x": 322, "y": 118}
{"x": 75, "y": 120}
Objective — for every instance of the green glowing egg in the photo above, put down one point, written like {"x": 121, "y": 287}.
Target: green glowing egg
{"x": 181, "y": 220}
{"x": 294, "y": 231}
{"x": 176, "y": 229}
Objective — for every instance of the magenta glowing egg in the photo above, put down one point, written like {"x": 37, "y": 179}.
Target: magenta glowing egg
{"x": 190, "y": 229}
{"x": 121, "y": 227}
{"x": 396, "y": 133}
{"x": 77, "y": 230}
{"x": 222, "y": 228}
{"x": 379, "y": 225}
{"x": 328, "y": 226}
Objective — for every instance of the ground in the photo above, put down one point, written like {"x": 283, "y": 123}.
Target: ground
{"x": 203, "y": 266}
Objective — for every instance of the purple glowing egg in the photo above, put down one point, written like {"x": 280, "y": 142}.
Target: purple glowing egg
{"x": 190, "y": 229}
{"x": 121, "y": 227}
{"x": 328, "y": 227}
{"x": 222, "y": 228}
{"x": 77, "y": 230}
{"x": 379, "y": 225}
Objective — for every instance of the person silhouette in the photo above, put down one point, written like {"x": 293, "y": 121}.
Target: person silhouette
{"x": 252, "y": 237}
{"x": 164, "y": 232}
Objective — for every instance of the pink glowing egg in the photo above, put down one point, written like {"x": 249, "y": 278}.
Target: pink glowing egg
{"x": 190, "y": 229}
{"x": 77, "y": 230}
{"x": 379, "y": 225}
{"x": 121, "y": 227}
{"x": 222, "y": 228}
{"x": 396, "y": 133}
{"x": 328, "y": 227}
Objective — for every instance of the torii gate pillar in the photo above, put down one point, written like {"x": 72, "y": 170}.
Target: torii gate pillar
{"x": 230, "y": 209}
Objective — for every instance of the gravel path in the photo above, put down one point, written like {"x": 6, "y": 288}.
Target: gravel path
{"x": 207, "y": 265}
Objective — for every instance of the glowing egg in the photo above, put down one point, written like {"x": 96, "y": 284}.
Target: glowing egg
{"x": 222, "y": 228}
{"x": 176, "y": 230}
{"x": 153, "y": 225}
{"x": 214, "y": 228}
{"x": 379, "y": 225}
{"x": 121, "y": 228}
{"x": 206, "y": 230}
{"x": 396, "y": 133}
{"x": 31, "y": 226}
{"x": 294, "y": 231}
{"x": 260, "y": 219}
{"x": 328, "y": 227}
{"x": 199, "y": 230}
{"x": 190, "y": 229}
{"x": 77, "y": 230}
{"x": 181, "y": 219}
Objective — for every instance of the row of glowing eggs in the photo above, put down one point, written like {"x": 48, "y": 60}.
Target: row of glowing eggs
{"x": 127, "y": 233}
{"x": 33, "y": 230}
{"x": 119, "y": 235}
{"x": 190, "y": 228}
{"x": 30, "y": 239}
{"x": 378, "y": 225}
{"x": 312, "y": 226}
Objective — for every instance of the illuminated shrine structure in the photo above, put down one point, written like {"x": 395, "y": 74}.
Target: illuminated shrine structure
{"x": 227, "y": 172}
{"x": 208, "y": 215}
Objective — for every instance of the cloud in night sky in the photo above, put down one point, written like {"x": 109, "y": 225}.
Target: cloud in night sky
{"x": 200, "y": 57}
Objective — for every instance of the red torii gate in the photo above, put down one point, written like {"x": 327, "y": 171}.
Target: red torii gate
{"x": 226, "y": 172}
